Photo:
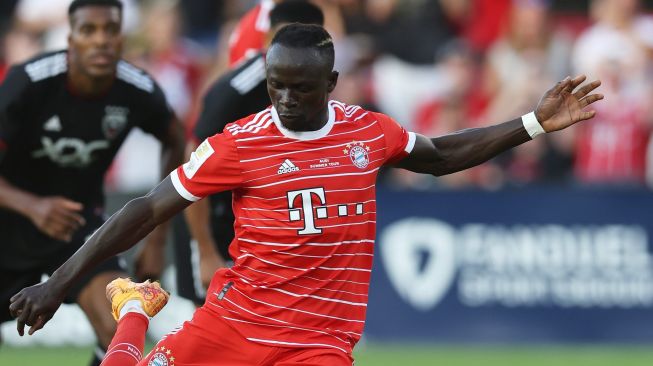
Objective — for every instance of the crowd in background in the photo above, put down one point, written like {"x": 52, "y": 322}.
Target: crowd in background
{"x": 436, "y": 66}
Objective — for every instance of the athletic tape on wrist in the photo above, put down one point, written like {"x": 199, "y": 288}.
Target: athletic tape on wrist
{"x": 532, "y": 126}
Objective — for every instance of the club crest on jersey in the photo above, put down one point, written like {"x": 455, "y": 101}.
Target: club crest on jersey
{"x": 162, "y": 357}
{"x": 114, "y": 121}
{"x": 358, "y": 153}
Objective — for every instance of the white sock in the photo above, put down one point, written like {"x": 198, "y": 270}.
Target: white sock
{"x": 133, "y": 306}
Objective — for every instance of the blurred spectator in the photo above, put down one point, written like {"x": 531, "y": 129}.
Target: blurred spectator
{"x": 480, "y": 21}
{"x": 354, "y": 82}
{"x": 407, "y": 34}
{"x": 174, "y": 61}
{"x": 461, "y": 106}
{"x": 20, "y": 45}
{"x": 529, "y": 56}
{"x": 204, "y": 18}
{"x": 612, "y": 149}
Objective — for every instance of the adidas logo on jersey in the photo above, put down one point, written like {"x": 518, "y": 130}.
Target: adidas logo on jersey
{"x": 53, "y": 124}
{"x": 287, "y": 167}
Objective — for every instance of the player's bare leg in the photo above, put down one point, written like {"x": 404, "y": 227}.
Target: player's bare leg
{"x": 91, "y": 301}
{"x": 132, "y": 305}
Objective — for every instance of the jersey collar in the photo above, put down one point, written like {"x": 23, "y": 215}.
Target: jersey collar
{"x": 305, "y": 135}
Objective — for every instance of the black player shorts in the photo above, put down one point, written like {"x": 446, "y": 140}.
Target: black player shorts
{"x": 189, "y": 283}
{"x": 14, "y": 280}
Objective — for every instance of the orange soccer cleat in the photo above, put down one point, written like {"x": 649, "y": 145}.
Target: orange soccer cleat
{"x": 150, "y": 294}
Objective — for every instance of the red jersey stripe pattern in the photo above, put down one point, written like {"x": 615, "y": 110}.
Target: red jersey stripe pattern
{"x": 305, "y": 221}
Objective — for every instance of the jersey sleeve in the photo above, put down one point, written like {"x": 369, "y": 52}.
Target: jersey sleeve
{"x": 157, "y": 113}
{"x": 12, "y": 98}
{"x": 213, "y": 167}
{"x": 398, "y": 142}
{"x": 219, "y": 107}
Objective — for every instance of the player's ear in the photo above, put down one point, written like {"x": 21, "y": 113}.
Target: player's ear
{"x": 333, "y": 81}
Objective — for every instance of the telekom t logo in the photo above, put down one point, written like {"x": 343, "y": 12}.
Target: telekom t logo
{"x": 307, "y": 209}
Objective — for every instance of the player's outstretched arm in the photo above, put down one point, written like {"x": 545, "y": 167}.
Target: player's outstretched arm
{"x": 560, "y": 107}
{"x": 34, "y": 306}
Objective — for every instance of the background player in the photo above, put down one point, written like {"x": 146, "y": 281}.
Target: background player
{"x": 237, "y": 94}
{"x": 63, "y": 117}
{"x": 297, "y": 292}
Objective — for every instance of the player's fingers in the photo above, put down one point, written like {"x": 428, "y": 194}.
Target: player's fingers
{"x": 37, "y": 319}
{"x": 590, "y": 99}
{"x": 575, "y": 82}
{"x": 16, "y": 306}
{"x": 59, "y": 231}
{"x": 65, "y": 221}
{"x": 71, "y": 205}
{"x": 56, "y": 220}
{"x": 586, "y": 89}
{"x": 561, "y": 85}
{"x": 22, "y": 319}
{"x": 16, "y": 300}
{"x": 32, "y": 317}
{"x": 587, "y": 115}
{"x": 40, "y": 322}
{"x": 71, "y": 217}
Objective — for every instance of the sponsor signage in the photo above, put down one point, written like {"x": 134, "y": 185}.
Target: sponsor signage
{"x": 526, "y": 265}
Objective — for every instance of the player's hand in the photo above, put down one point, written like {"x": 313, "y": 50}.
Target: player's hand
{"x": 57, "y": 217}
{"x": 562, "y": 105}
{"x": 34, "y": 306}
{"x": 210, "y": 261}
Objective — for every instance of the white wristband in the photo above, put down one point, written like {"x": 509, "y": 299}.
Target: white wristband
{"x": 532, "y": 126}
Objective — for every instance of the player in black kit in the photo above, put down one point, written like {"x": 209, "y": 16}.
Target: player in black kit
{"x": 237, "y": 94}
{"x": 63, "y": 117}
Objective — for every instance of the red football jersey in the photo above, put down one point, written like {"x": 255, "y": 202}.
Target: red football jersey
{"x": 249, "y": 35}
{"x": 305, "y": 213}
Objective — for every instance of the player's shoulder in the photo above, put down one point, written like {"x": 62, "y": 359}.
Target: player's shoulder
{"x": 353, "y": 114}
{"x": 247, "y": 75}
{"x": 257, "y": 124}
{"x": 45, "y": 66}
{"x": 135, "y": 79}
{"x": 239, "y": 81}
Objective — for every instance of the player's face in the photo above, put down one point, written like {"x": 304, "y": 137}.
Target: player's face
{"x": 95, "y": 41}
{"x": 299, "y": 83}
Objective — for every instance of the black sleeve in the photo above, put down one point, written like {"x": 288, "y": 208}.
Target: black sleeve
{"x": 12, "y": 99}
{"x": 156, "y": 113}
{"x": 221, "y": 105}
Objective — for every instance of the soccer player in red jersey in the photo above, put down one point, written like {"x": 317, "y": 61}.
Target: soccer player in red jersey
{"x": 303, "y": 175}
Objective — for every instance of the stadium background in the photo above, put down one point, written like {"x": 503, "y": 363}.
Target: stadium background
{"x": 542, "y": 256}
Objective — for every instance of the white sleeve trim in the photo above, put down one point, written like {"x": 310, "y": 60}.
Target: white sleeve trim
{"x": 411, "y": 142}
{"x": 174, "y": 176}
{"x": 532, "y": 125}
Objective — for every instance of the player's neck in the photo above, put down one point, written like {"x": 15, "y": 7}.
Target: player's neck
{"x": 85, "y": 86}
{"x": 316, "y": 124}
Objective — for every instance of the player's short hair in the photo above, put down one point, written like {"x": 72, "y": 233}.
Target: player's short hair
{"x": 296, "y": 11}
{"x": 307, "y": 36}
{"x": 76, "y": 4}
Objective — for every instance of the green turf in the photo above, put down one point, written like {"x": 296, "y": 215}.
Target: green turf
{"x": 394, "y": 355}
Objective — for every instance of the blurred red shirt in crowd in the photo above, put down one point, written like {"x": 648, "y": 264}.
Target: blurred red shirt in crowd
{"x": 249, "y": 35}
{"x": 612, "y": 149}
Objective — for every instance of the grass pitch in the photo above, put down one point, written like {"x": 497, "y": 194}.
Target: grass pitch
{"x": 402, "y": 355}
